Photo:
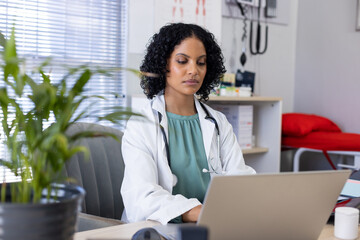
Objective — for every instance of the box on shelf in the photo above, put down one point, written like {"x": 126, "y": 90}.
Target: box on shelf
{"x": 241, "y": 119}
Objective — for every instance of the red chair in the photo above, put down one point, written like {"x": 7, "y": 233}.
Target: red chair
{"x": 312, "y": 133}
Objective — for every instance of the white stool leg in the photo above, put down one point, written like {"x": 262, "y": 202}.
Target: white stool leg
{"x": 341, "y": 160}
{"x": 357, "y": 162}
{"x": 298, "y": 153}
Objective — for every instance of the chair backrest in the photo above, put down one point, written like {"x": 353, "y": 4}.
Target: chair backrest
{"x": 101, "y": 175}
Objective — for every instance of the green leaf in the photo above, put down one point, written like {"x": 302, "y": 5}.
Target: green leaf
{"x": 7, "y": 164}
{"x": 62, "y": 87}
{"x": 45, "y": 63}
{"x": 2, "y": 40}
{"x": 61, "y": 142}
{"x": 11, "y": 67}
{"x": 72, "y": 71}
{"x": 10, "y": 47}
{"x": 83, "y": 114}
{"x": 45, "y": 77}
{"x": 119, "y": 114}
{"x": 92, "y": 134}
{"x": 78, "y": 149}
{"x": 132, "y": 70}
{"x": 31, "y": 83}
{"x": 4, "y": 98}
{"x": 80, "y": 83}
{"x": 79, "y": 102}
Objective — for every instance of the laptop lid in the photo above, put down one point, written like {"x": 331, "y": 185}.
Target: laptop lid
{"x": 271, "y": 206}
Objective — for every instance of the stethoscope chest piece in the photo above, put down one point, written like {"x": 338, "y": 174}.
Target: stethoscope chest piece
{"x": 175, "y": 180}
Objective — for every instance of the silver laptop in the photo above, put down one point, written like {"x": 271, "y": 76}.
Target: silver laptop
{"x": 271, "y": 206}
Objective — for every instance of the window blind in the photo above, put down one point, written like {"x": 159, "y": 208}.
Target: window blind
{"x": 72, "y": 33}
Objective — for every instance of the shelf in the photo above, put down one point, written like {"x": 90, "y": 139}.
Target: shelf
{"x": 266, "y": 129}
{"x": 255, "y": 150}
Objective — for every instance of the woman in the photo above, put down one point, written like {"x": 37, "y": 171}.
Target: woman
{"x": 170, "y": 159}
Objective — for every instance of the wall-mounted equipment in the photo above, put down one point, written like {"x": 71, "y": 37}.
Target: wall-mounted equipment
{"x": 270, "y": 9}
{"x": 254, "y": 3}
{"x": 265, "y": 8}
{"x": 358, "y": 16}
{"x": 273, "y": 12}
{"x": 256, "y": 50}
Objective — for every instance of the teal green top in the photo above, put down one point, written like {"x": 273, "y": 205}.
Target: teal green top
{"x": 188, "y": 157}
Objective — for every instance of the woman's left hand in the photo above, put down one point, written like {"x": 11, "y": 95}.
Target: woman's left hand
{"x": 192, "y": 215}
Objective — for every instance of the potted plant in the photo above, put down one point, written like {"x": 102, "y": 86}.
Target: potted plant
{"x": 35, "y": 207}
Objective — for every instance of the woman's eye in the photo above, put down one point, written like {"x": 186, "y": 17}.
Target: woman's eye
{"x": 201, "y": 63}
{"x": 181, "y": 61}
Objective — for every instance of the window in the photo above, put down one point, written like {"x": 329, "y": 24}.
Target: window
{"x": 73, "y": 33}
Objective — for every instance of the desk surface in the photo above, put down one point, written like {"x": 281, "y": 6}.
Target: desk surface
{"x": 120, "y": 232}
{"x": 123, "y": 232}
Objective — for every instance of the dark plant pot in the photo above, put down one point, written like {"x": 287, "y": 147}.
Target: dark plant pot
{"x": 54, "y": 219}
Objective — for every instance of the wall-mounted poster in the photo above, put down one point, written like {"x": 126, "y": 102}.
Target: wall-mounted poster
{"x": 206, "y": 13}
{"x": 358, "y": 16}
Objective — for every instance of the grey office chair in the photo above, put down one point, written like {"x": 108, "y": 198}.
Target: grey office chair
{"x": 101, "y": 176}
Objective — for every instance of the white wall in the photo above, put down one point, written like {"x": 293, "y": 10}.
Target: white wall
{"x": 141, "y": 28}
{"x": 327, "y": 73}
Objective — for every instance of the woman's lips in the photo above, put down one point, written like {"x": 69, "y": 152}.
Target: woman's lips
{"x": 191, "y": 82}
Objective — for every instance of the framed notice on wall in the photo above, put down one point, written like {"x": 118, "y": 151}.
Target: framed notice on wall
{"x": 358, "y": 15}
{"x": 206, "y": 13}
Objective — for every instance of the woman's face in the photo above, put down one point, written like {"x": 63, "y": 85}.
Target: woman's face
{"x": 186, "y": 68}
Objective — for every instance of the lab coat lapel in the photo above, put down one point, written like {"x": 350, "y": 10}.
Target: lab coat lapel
{"x": 159, "y": 107}
{"x": 207, "y": 128}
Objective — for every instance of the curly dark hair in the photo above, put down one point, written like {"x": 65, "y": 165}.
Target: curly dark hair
{"x": 162, "y": 45}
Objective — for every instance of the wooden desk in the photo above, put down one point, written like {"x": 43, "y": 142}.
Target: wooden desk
{"x": 328, "y": 233}
{"x": 126, "y": 231}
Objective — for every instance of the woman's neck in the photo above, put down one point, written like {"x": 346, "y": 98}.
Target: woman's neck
{"x": 180, "y": 105}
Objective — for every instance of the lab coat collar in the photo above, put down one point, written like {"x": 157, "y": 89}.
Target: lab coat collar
{"x": 159, "y": 106}
{"x": 159, "y": 103}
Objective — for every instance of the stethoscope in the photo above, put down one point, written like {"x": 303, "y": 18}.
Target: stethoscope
{"x": 258, "y": 36}
{"x": 207, "y": 117}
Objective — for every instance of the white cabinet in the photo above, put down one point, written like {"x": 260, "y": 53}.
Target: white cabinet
{"x": 265, "y": 156}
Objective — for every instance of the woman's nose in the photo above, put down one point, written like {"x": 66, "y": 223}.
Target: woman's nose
{"x": 193, "y": 69}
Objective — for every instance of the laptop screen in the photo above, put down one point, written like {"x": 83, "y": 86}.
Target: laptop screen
{"x": 271, "y": 206}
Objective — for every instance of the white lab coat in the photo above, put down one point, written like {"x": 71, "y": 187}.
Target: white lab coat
{"x": 148, "y": 181}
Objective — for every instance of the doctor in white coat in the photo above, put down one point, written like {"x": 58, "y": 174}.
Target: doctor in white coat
{"x": 171, "y": 155}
